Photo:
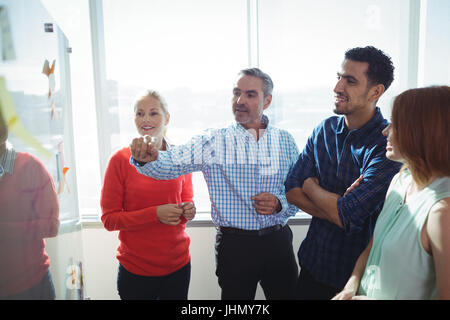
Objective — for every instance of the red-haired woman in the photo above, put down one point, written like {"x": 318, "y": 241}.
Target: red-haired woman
{"x": 409, "y": 254}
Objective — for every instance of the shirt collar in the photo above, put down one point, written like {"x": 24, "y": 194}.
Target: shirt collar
{"x": 376, "y": 120}
{"x": 341, "y": 127}
{"x": 7, "y": 159}
{"x": 168, "y": 145}
{"x": 372, "y": 123}
{"x": 264, "y": 125}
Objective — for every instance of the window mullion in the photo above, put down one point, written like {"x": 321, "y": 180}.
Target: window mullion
{"x": 99, "y": 68}
{"x": 253, "y": 33}
{"x": 413, "y": 43}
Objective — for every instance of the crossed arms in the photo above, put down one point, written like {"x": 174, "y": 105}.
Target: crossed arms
{"x": 351, "y": 209}
{"x": 318, "y": 202}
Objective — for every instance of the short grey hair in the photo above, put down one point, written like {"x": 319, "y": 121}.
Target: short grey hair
{"x": 267, "y": 81}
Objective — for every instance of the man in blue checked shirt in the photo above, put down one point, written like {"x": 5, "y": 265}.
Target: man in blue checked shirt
{"x": 245, "y": 166}
{"x": 342, "y": 176}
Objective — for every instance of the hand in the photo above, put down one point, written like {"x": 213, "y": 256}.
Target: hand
{"x": 169, "y": 214}
{"x": 189, "y": 210}
{"x": 354, "y": 185}
{"x": 266, "y": 203}
{"x": 143, "y": 150}
{"x": 309, "y": 183}
{"x": 346, "y": 294}
{"x": 362, "y": 298}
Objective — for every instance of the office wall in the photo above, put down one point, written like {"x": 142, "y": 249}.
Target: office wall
{"x": 100, "y": 264}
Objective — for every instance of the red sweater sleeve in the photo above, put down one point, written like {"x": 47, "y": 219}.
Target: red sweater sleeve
{"x": 114, "y": 216}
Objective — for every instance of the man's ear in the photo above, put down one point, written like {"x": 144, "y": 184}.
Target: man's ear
{"x": 267, "y": 101}
{"x": 376, "y": 91}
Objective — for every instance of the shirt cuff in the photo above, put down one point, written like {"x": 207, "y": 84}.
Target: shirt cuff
{"x": 135, "y": 163}
{"x": 286, "y": 208}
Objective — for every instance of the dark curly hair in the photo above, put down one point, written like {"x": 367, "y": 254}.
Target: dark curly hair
{"x": 380, "y": 70}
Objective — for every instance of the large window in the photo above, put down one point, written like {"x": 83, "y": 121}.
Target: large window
{"x": 302, "y": 45}
{"x": 191, "y": 51}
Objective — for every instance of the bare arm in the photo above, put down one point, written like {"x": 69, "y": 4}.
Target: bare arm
{"x": 298, "y": 198}
{"x": 352, "y": 285}
{"x": 437, "y": 228}
{"x": 324, "y": 200}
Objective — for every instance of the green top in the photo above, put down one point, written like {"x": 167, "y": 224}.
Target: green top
{"x": 398, "y": 266}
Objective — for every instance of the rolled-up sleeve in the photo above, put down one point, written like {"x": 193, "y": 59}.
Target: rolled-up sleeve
{"x": 288, "y": 210}
{"x": 367, "y": 199}
{"x": 303, "y": 168}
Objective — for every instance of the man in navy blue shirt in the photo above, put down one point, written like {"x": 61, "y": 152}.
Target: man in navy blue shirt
{"x": 342, "y": 175}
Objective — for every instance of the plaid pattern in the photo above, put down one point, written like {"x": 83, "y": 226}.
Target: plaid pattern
{"x": 236, "y": 167}
{"x": 7, "y": 160}
{"x": 337, "y": 157}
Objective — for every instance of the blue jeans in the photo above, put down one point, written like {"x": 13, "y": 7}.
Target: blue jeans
{"x": 174, "y": 286}
{"x": 44, "y": 290}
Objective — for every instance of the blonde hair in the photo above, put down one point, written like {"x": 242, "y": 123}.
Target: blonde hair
{"x": 154, "y": 94}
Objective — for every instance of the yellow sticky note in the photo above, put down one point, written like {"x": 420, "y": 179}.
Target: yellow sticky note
{"x": 13, "y": 122}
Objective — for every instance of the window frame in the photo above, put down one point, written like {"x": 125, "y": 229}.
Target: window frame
{"x": 415, "y": 46}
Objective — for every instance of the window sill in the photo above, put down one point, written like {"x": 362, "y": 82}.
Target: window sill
{"x": 202, "y": 219}
{"x": 68, "y": 226}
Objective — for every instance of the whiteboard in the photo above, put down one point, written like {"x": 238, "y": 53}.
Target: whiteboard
{"x": 42, "y": 99}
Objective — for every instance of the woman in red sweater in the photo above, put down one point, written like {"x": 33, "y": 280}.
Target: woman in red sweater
{"x": 154, "y": 258}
